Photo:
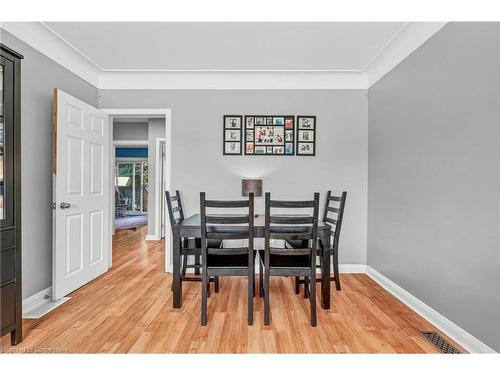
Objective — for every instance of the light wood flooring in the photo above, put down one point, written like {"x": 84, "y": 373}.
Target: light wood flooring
{"x": 129, "y": 309}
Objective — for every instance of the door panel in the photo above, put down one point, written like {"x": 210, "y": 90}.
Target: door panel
{"x": 74, "y": 166}
{"x": 96, "y": 237}
{"x": 81, "y": 194}
{"x": 74, "y": 244}
{"x": 96, "y": 168}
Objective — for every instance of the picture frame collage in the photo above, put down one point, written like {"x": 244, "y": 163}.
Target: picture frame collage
{"x": 269, "y": 135}
{"x": 273, "y": 135}
{"x": 306, "y": 135}
{"x": 233, "y": 128}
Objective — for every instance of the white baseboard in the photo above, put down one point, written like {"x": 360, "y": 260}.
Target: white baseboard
{"x": 36, "y": 300}
{"x": 459, "y": 335}
{"x": 352, "y": 268}
{"x": 152, "y": 237}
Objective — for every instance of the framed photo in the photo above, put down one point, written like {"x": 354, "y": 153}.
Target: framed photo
{"x": 232, "y": 143}
{"x": 249, "y": 121}
{"x": 278, "y": 121}
{"x": 232, "y": 148}
{"x": 233, "y": 135}
{"x": 260, "y": 150}
{"x": 306, "y": 135}
{"x": 306, "y": 122}
{"x": 260, "y": 121}
{"x": 249, "y": 136}
{"x": 304, "y": 148}
{"x": 232, "y": 122}
{"x": 250, "y": 148}
{"x": 268, "y": 134}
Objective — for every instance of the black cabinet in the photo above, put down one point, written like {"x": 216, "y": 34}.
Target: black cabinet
{"x": 10, "y": 194}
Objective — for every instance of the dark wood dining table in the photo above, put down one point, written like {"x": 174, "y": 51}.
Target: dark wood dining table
{"x": 190, "y": 227}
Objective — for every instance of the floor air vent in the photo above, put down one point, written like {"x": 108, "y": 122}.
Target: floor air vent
{"x": 440, "y": 343}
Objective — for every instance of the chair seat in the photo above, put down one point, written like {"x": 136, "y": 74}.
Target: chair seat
{"x": 228, "y": 261}
{"x": 287, "y": 261}
{"x": 187, "y": 244}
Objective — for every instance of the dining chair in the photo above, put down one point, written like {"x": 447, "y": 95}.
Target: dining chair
{"x": 333, "y": 216}
{"x": 227, "y": 261}
{"x": 299, "y": 261}
{"x": 334, "y": 206}
{"x": 189, "y": 246}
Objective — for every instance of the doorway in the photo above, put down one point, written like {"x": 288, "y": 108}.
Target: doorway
{"x": 158, "y": 174}
{"x": 131, "y": 193}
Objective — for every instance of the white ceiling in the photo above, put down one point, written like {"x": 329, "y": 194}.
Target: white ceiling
{"x": 331, "y": 46}
{"x": 215, "y": 55}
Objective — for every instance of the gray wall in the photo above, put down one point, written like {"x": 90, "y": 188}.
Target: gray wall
{"x": 433, "y": 202}
{"x": 130, "y": 131}
{"x": 40, "y": 75}
{"x": 156, "y": 129}
{"x": 198, "y": 163}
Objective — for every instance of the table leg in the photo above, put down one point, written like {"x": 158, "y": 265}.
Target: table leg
{"x": 176, "y": 269}
{"x": 325, "y": 270}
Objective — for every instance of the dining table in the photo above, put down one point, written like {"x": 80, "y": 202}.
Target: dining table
{"x": 191, "y": 227}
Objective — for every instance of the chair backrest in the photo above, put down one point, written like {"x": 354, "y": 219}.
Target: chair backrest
{"x": 175, "y": 211}
{"x": 298, "y": 226}
{"x": 334, "y": 213}
{"x": 224, "y": 226}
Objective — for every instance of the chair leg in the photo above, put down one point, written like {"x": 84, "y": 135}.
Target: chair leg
{"x": 306, "y": 287}
{"x": 204, "y": 288}
{"x": 216, "y": 284}
{"x": 208, "y": 288}
{"x": 184, "y": 265}
{"x": 197, "y": 261}
{"x": 266, "y": 298}
{"x": 312, "y": 297}
{"x": 336, "y": 270}
{"x": 297, "y": 284}
{"x": 253, "y": 284}
{"x": 261, "y": 279}
{"x": 251, "y": 291}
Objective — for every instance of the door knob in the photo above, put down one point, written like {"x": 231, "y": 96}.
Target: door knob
{"x": 64, "y": 205}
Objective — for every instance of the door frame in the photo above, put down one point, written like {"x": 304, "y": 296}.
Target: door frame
{"x": 158, "y": 193}
{"x": 143, "y": 112}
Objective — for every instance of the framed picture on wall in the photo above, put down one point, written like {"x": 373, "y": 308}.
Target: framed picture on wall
{"x": 233, "y": 135}
{"x": 306, "y": 135}
{"x": 269, "y": 135}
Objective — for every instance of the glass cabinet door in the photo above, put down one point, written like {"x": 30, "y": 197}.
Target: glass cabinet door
{"x": 6, "y": 143}
{"x": 1, "y": 146}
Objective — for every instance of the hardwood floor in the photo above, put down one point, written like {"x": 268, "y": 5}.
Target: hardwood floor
{"x": 129, "y": 310}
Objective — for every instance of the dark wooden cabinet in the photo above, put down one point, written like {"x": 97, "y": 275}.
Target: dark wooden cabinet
{"x": 10, "y": 194}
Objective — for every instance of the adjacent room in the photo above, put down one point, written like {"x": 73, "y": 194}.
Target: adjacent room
{"x": 250, "y": 187}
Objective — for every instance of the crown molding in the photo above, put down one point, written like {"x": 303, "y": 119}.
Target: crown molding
{"x": 408, "y": 39}
{"x": 38, "y": 36}
{"x": 232, "y": 80}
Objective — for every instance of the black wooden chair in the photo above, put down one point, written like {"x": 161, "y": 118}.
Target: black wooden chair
{"x": 332, "y": 215}
{"x": 334, "y": 206}
{"x": 189, "y": 246}
{"x": 300, "y": 261}
{"x": 227, "y": 261}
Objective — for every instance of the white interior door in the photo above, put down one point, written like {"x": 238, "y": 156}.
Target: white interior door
{"x": 82, "y": 193}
